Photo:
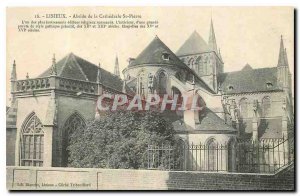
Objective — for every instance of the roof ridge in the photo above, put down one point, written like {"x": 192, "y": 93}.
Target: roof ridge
{"x": 78, "y": 65}
{"x": 169, "y": 49}
{"x": 92, "y": 64}
{"x": 65, "y": 63}
{"x": 253, "y": 69}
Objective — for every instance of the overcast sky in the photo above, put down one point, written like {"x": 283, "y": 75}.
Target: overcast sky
{"x": 245, "y": 35}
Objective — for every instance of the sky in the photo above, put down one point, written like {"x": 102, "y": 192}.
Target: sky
{"x": 244, "y": 35}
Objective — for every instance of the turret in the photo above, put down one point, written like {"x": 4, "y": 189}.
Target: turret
{"x": 282, "y": 67}
{"x": 212, "y": 42}
{"x": 13, "y": 79}
{"x": 116, "y": 70}
{"x": 53, "y": 71}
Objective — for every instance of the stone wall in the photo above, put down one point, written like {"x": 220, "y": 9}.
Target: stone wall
{"x": 10, "y": 146}
{"x": 22, "y": 178}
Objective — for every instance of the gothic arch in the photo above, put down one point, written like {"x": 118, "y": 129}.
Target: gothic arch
{"x": 176, "y": 91}
{"x": 141, "y": 81}
{"x": 266, "y": 106}
{"x": 198, "y": 59}
{"x": 74, "y": 123}
{"x": 199, "y": 65}
{"x": 179, "y": 76}
{"x": 162, "y": 80}
{"x": 231, "y": 146}
{"x": 212, "y": 145}
{"x": 243, "y": 107}
{"x": 32, "y": 141}
{"x": 191, "y": 63}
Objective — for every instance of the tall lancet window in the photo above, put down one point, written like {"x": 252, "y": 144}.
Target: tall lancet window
{"x": 199, "y": 68}
{"x": 73, "y": 125}
{"x": 212, "y": 155}
{"x": 141, "y": 82}
{"x": 244, "y": 107}
{"x": 162, "y": 83}
{"x": 266, "y": 106}
{"x": 32, "y": 142}
{"x": 191, "y": 63}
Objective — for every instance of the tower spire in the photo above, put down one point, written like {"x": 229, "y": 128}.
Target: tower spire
{"x": 116, "y": 71}
{"x": 281, "y": 58}
{"x": 285, "y": 58}
{"x": 212, "y": 43}
{"x": 13, "y": 79}
{"x": 53, "y": 71}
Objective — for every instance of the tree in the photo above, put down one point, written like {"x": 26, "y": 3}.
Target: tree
{"x": 120, "y": 140}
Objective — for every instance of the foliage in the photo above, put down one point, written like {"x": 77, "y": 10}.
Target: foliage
{"x": 119, "y": 140}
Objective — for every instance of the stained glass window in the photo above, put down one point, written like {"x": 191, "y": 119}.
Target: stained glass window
{"x": 32, "y": 142}
{"x": 244, "y": 107}
{"x": 212, "y": 155}
{"x": 74, "y": 124}
{"x": 266, "y": 106}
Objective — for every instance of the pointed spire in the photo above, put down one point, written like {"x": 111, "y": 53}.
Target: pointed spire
{"x": 99, "y": 74}
{"x": 116, "y": 71}
{"x": 281, "y": 58}
{"x": 285, "y": 58}
{"x": 13, "y": 76}
{"x": 212, "y": 42}
{"x": 53, "y": 71}
{"x": 27, "y": 76}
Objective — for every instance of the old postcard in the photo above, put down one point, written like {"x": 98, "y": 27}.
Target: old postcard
{"x": 150, "y": 98}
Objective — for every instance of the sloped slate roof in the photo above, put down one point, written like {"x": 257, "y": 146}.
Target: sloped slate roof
{"x": 209, "y": 121}
{"x": 152, "y": 54}
{"x": 247, "y": 67}
{"x": 267, "y": 128}
{"x": 249, "y": 80}
{"x": 270, "y": 128}
{"x": 74, "y": 67}
{"x": 193, "y": 45}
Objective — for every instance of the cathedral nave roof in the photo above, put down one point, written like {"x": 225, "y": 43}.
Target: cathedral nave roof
{"x": 249, "y": 80}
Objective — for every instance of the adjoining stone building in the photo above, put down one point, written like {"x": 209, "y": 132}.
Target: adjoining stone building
{"x": 247, "y": 104}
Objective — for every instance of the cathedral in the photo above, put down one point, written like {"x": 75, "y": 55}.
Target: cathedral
{"x": 250, "y": 104}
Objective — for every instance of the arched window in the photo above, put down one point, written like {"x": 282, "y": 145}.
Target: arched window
{"x": 32, "y": 142}
{"x": 198, "y": 60}
{"x": 177, "y": 92}
{"x": 201, "y": 69}
{"x": 205, "y": 66}
{"x": 231, "y": 155}
{"x": 162, "y": 83}
{"x": 266, "y": 106}
{"x": 198, "y": 65}
{"x": 178, "y": 75}
{"x": 212, "y": 155}
{"x": 191, "y": 63}
{"x": 73, "y": 124}
{"x": 141, "y": 82}
{"x": 244, "y": 107}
